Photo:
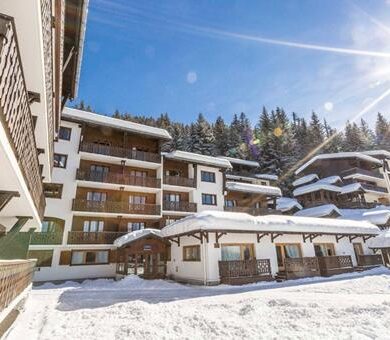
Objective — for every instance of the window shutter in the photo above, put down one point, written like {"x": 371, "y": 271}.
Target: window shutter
{"x": 112, "y": 258}
{"x": 65, "y": 257}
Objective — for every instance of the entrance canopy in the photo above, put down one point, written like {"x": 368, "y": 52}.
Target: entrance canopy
{"x": 133, "y": 236}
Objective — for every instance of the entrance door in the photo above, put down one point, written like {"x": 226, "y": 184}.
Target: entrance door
{"x": 287, "y": 250}
{"x": 358, "y": 250}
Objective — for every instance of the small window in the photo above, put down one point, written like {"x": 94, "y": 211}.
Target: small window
{"x": 132, "y": 226}
{"x": 209, "y": 199}
{"x": 65, "y": 133}
{"x": 52, "y": 190}
{"x": 324, "y": 249}
{"x": 207, "y": 176}
{"x": 89, "y": 257}
{"x": 44, "y": 257}
{"x": 60, "y": 160}
{"x": 230, "y": 203}
{"x": 191, "y": 253}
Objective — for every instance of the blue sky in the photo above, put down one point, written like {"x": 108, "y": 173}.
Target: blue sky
{"x": 184, "y": 57}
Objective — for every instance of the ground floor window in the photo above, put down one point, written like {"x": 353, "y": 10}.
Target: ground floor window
{"x": 209, "y": 199}
{"x": 230, "y": 203}
{"x": 44, "y": 257}
{"x": 324, "y": 249}
{"x": 80, "y": 257}
{"x": 237, "y": 252}
{"x": 191, "y": 253}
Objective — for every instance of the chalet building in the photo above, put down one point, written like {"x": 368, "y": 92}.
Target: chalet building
{"x": 248, "y": 191}
{"x": 41, "y": 43}
{"x": 346, "y": 180}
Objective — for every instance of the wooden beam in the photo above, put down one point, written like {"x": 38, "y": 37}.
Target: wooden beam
{"x": 172, "y": 239}
{"x": 339, "y": 237}
{"x": 260, "y": 236}
{"x": 218, "y": 236}
{"x": 367, "y": 237}
{"x": 200, "y": 238}
{"x": 352, "y": 237}
{"x": 305, "y": 237}
{"x": 274, "y": 236}
{"x": 313, "y": 236}
{"x": 205, "y": 234}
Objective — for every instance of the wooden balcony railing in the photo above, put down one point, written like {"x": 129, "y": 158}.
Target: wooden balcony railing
{"x": 118, "y": 178}
{"x": 253, "y": 211}
{"x": 301, "y": 267}
{"x": 355, "y": 171}
{"x": 15, "y": 277}
{"x": 117, "y": 151}
{"x": 43, "y": 238}
{"x": 117, "y": 207}
{"x": 369, "y": 260}
{"x": 179, "y": 206}
{"x": 100, "y": 237}
{"x": 373, "y": 188}
{"x": 330, "y": 265}
{"x": 180, "y": 181}
{"x": 15, "y": 114}
{"x": 244, "y": 271}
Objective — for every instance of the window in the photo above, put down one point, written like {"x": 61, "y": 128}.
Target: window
{"x": 237, "y": 252}
{"x": 230, "y": 203}
{"x": 99, "y": 169}
{"x": 169, "y": 221}
{"x": 52, "y": 190}
{"x": 173, "y": 173}
{"x": 324, "y": 249}
{"x": 137, "y": 199}
{"x": 89, "y": 257}
{"x": 137, "y": 173}
{"x": 44, "y": 257}
{"x": 172, "y": 197}
{"x": 191, "y": 253}
{"x": 65, "y": 133}
{"x": 96, "y": 196}
{"x": 132, "y": 226}
{"x": 52, "y": 225}
{"x": 60, "y": 160}
{"x": 93, "y": 226}
{"x": 209, "y": 199}
{"x": 207, "y": 176}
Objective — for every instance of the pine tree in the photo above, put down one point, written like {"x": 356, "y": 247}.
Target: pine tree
{"x": 382, "y": 131}
{"x": 203, "y": 137}
{"x": 316, "y": 130}
{"x": 367, "y": 134}
{"x": 221, "y": 134}
{"x": 234, "y": 142}
{"x": 354, "y": 140}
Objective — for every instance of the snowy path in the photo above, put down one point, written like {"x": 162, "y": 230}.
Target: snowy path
{"x": 350, "y": 306}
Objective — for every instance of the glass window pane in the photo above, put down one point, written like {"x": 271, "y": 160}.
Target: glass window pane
{"x": 86, "y": 226}
{"x": 90, "y": 257}
{"x": 77, "y": 257}
{"x": 102, "y": 256}
{"x": 231, "y": 253}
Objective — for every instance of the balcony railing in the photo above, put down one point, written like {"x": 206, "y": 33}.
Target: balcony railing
{"x": 43, "y": 238}
{"x": 330, "y": 265}
{"x": 15, "y": 277}
{"x": 179, "y": 206}
{"x": 253, "y": 211}
{"x": 117, "y": 207}
{"x": 369, "y": 260}
{"x": 301, "y": 267}
{"x": 180, "y": 181}
{"x": 355, "y": 171}
{"x": 99, "y": 237}
{"x": 117, "y": 151}
{"x": 373, "y": 188}
{"x": 118, "y": 178}
{"x": 244, "y": 271}
{"x": 15, "y": 114}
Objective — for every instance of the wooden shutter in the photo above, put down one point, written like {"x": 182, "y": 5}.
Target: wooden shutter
{"x": 65, "y": 257}
{"x": 112, "y": 256}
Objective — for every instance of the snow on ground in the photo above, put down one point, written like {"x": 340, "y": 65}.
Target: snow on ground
{"x": 348, "y": 306}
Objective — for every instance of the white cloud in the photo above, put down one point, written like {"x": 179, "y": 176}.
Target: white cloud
{"x": 192, "y": 77}
{"x": 328, "y": 106}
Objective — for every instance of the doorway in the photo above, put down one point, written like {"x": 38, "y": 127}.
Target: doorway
{"x": 358, "y": 250}
{"x": 287, "y": 250}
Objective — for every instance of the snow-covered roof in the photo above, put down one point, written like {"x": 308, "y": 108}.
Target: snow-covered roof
{"x": 320, "y": 211}
{"x": 286, "y": 203}
{"x": 330, "y": 180}
{"x": 377, "y": 153}
{"x": 253, "y": 188}
{"x": 379, "y": 215}
{"x": 240, "y": 161}
{"x": 353, "y": 187}
{"x": 305, "y": 179}
{"x": 339, "y": 155}
{"x": 136, "y": 235}
{"x": 315, "y": 187}
{"x": 380, "y": 241}
{"x": 267, "y": 176}
{"x": 197, "y": 158}
{"x": 94, "y": 118}
{"x": 239, "y": 222}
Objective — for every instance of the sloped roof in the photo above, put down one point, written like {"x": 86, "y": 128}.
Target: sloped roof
{"x": 197, "y": 158}
{"x": 136, "y": 235}
{"x": 319, "y": 211}
{"x": 267, "y": 176}
{"x": 286, "y": 203}
{"x": 240, "y": 161}
{"x": 253, "y": 188}
{"x": 315, "y": 187}
{"x": 380, "y": 241}
{"x": 305, "y": 179}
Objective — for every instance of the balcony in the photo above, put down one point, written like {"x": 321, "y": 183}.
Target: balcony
{"x": 332, "y": 265}
{"x": 179, "y": 206}
{"x": 360, "y": 171}
{"x": 180, "y": 181}
{"x": 118, "y": 178}
{"x": 15, "y": 114}
{"x": 115, "y": 207}
{"x": 45, "y": 238}
{"x": 253, "y": 211}
{"x": 369, "y": 260}
{"x": 371, "y": 187}
{"x": 120, "y": 152}
{"x": 99, "y": 237}
{"x": 242, "y": 272}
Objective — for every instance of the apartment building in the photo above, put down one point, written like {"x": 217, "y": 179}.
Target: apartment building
{"x": 345, "y": 179}
{"x": 110, "y": 178}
